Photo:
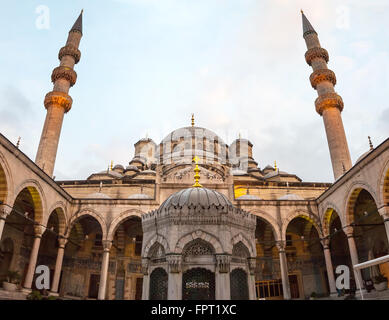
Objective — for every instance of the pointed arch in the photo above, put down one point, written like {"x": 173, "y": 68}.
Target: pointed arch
{"x": 37, "y": 196}
{"x": 268, "y": 219}
{"x": 352, "y": 195}
{"x": 6, "y": 182}
{"x": 88, "y": 212}
{"x": 305, "y": 215}
{"x": 120, "y": 219}
{"x": 198, "y": 234}
{"x": 248, "y": 244}
{"x": 155, "y": 239}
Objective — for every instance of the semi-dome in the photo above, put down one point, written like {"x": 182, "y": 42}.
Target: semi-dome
{"x": 98, "y": 195}
{"x": 248, "y": 197}
{"x": 196, "y": 197}
{"x": 139, "y": 196}
{"x": 290, "y": 196}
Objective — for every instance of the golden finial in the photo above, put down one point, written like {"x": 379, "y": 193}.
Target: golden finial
{"x": 370, "y": 143}
{"x": 302, "y": 11}
{"x": 192, "y": 119}
{"x": 197, "y": 170}
{"x": 275, "y": 165}
{"x": 18, "y": 143}
{"x": 111, "y": 167}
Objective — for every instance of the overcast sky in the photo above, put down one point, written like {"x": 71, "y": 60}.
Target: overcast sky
{"x": 147, "y": 65}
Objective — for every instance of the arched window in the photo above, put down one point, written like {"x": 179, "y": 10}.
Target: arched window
{"x": 158, "y": 284}
{"x": 238, "y": 285}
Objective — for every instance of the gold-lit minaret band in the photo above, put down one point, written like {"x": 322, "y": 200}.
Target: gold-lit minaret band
{"x": 197, "y": 176}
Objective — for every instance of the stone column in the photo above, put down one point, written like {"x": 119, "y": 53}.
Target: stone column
{"x": 330, "y": 270}
{"x": 104, "y": 269}
{"x": 349, "y": 231}
{"x": 384, "y": 213}
{"x": 222, "y": 277}
{"x": 58, "y": 264}
{"x": 174, "y": 291}
{"x": 284, "y": 270}
{"x": 38, "y": 231}
{"x": 251, "y": 278}
{"x": 4, "y": 212}
{"x": 146, "y": 278}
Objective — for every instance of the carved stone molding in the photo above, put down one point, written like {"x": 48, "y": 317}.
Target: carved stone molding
{"x": 174, "y": 262}
{"x": 69, "y": 50}
{"x": 316, "y": 52}
{"x": 223, "y": 263}
{"x": 66, "y": 73}
{"x": 58, "y": 99}
{"x": 328, "y": 100}
{"x": 322, "y": 75}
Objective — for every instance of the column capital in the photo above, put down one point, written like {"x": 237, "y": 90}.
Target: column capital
{"x": 325, "y": 242}
{"x": 223, "y": 262}
{"x": 145, "y": 266}
{"x": 174, "y": 262}
{"x": 62, "y": 241}
{"x": 39, "y": 230}
{"x": 4, "y": 211}
{"x": 384, "y": 212}
{"x": 281, "y": 244}
{"x": 107, "y": 244}
{"x": 252, "y": 264}
{"x": 349, "y": 231}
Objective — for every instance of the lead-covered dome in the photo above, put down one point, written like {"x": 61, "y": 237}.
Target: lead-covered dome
{"x": 196, "y": 197}
{"x": 181, "y": 145}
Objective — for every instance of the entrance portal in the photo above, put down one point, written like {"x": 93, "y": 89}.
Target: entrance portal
{"x": 198, "y": 284}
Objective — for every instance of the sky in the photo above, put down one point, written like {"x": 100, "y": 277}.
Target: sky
{"x": 147, "y": 65}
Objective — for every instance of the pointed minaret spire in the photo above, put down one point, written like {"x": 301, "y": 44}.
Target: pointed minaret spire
{"x": 329, "y": 104}
{"x": 78, "y": 24}
{"x": 307, "y": 27}
{"x": 58, "y": 102}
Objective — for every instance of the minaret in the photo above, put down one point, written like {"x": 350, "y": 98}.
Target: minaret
{"x": 329, "y": 104}
{"x": 58, "y": 102}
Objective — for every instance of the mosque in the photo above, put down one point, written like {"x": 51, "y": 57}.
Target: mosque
{"x": 191, "y": 217}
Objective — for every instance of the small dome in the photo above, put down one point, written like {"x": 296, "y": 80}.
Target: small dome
{"x": 196, "y": 197}
{"x": 363, "y": 155}
{"x": 138, "y": 196}
{"x": 118, "y": 167}
{"x": 132, "y": 168}
{"x": 248, "y": 197}
{"x": 98, "y": 195}
{"x": 290, "y": 196}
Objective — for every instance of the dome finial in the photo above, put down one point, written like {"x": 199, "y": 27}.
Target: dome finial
{"x": 111, "y": 167}
{"x": 370, "y": 143}
{"x": 275, "y": 165}
{"x": 193, "y": 123}
{"x": 197, "y": 170}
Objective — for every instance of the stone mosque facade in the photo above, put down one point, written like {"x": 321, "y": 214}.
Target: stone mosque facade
{"x": 192, "y": 217}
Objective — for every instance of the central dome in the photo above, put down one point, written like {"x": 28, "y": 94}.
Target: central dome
{"x": 196, "y": 197}
{"x": 181, "y": 145}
